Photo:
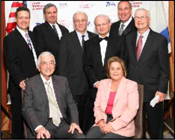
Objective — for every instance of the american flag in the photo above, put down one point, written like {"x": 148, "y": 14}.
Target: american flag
{"x": 11, "y": 24}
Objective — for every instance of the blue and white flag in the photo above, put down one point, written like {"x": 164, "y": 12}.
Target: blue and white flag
{"x": 159, "y": 24}
{"x": 158, "y": 20}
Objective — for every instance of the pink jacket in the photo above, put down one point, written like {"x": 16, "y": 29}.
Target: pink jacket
{"x": 126, "y": 104}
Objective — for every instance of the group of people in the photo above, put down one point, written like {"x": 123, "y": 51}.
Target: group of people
{"x": 68, "y": 85}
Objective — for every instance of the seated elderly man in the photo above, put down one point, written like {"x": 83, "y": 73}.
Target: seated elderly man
{"x": 48, "y": 106}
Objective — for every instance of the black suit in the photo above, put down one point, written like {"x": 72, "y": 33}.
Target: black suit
{"x": 20, "y": 65}
{"x": 94, "y": 69}
{"x": 116, "y": 25}
{"x": 46, "y": 38}
{"x": 36, "y": 109}
{"x": 152, "y": 70}
{"x": 70, "y": 65}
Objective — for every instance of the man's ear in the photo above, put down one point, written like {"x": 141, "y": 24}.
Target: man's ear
{"x": 38, "y": 68}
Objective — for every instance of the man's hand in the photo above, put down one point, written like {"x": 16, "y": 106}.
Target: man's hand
{"x": 161, "y": 96}
{"x": 101, "y": 124}
{"x": 97, "y": 85}
{"x": 74, "y": 126}
{"x": 22, "y": 84}
{"x": 108, "y": 128}
{"x": 42, "y": 133}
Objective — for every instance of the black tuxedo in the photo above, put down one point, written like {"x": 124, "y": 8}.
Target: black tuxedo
{"x": 94, "y": 69}
{"x": 116, "y": 25}
{"x": 20, "y": 65}
{"x": 36, "y": 109}
{"x": 46, "y": 38}
{"x": 92, "y": 59}
{"x": 152, "y": 71}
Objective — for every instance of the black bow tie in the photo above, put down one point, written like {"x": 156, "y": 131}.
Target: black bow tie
{"x": 106, "y": 38}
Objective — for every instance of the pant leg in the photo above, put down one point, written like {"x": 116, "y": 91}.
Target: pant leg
{"x": 94, "y": 132}
{"x": 62, "y": 131}
{"x": 155, "y": 120}
{"x": 17, "y": 119}
{"x": 113, "y": 135}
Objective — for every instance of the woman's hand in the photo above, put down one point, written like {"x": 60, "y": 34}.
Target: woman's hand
{"x": 108, "y": 129}
{"x": 101, "y": 124}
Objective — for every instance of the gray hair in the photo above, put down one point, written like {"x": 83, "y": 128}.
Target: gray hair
{"x": 78, "y": 13}
{"x": 46, "y": 53}
{"x": 130, "y": 5}
{"x": 102, "y": 15}
{"x": 147, "y": 11}
{"x": 48, "y": 6}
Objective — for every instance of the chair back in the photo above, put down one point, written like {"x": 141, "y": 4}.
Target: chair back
{"x": 139, "y": 117}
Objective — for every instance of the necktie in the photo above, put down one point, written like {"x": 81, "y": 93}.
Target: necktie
{"x": 106, "y": 38}
{"x": 83, "y": 41}
{"x": 28, "y": 40}
{"x": 53, "y": 106}
{"x": 139, "y": 47}
{"x": 55, "y": 30}
{"x": 121, "y": 29}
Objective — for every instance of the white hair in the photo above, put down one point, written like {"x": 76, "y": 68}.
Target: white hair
{"x": 102, "y": 15}
{"x": 147, "y": 11}
{"x": 78, "y": 12}
{"x": 46, "y": 53}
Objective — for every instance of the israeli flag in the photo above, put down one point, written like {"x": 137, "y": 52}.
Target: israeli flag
{"x": 159, "y": 24}
{"x": 158, "y": 20}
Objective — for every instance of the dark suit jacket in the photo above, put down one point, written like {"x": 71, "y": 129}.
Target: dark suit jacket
{"x": 115, "y": 27}
{"x": 19, "y": 60}
{"x": 94, "y": 69}
{"x": 70, "y": 62}
{"x": 46, "y": 38}
{"x": 36, "y": 105}
{"x": 152, "y": 69}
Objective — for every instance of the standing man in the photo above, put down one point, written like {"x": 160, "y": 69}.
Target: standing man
{"x": 149, "y": 66}
{"x": 97, "y": 51}
{"x": 49, "y": 33}
{"x": 21, "y": 60}
{"x": 126, "y": 23}
{"x": 70, "y": 60}
{"x": 55, "y": 115}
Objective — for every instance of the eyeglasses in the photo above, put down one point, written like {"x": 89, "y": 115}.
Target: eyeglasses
{"x": 103, "y": 24}
{"x": 142, "y": 18}
{"x": 78, "y": 21}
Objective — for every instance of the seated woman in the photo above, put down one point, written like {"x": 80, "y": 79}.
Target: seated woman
{"x": 116, "y": 104}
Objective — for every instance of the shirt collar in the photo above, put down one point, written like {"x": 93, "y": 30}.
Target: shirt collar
{"x": 80, "y": 34}
{"x": 44, "y": 80}
{"x": 21, "y": 31}
{"x": 145, "y": 34}
{"x": 127, "y": 22}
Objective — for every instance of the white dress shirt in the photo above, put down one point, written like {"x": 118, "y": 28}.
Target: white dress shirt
{"x": 33, "y": 49}
{"x": 126, "y": 23}
{"x": 86, "y": 37}
{"x": 144, "y": 38}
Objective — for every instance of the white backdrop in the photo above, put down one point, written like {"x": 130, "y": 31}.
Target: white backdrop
{"x": 66, "y": 9}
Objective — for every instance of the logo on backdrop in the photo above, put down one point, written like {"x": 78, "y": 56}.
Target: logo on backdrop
{"x": 108, "y": 4}
{"x": 86, "y": 5}
{"x": 136, "y": 4}
{"x": 37, "y": 6}
{"x": 62, "y": 5}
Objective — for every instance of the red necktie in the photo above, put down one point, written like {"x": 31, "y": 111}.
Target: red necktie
{"x": 139, "y": 47}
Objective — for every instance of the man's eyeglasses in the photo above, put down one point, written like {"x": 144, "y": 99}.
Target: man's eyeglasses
{"x": 103, "y": 24}
{"x": 142, "y": 18}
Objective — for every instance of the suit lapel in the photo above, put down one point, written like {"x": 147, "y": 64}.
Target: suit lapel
{"x": 50, "y": 29}
{"x": 133, "y": 46}
{"x": 76, "y": 42}
{"x": 22, "y": 40}
{"x": 43, "y": 93}
{"x": 128, "y": 28}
